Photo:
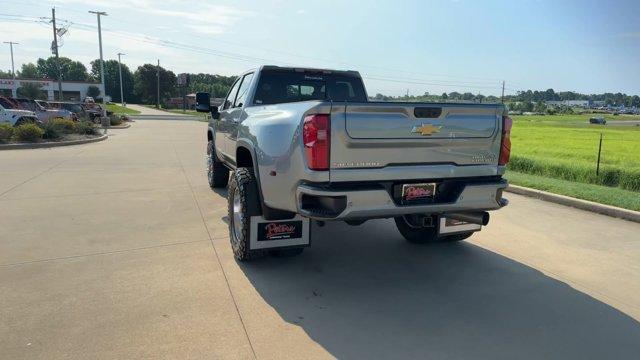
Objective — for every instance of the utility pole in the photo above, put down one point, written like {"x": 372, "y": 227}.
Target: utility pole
{"x": 55, "y": 48}
{"x": 158, "y": 85}
{"x": 502, "y": 97}
{"x": 599, "y": 151}
{"x": 13, "y": 70}
{"x": 98, "y": 13}
{"x": 120, "y": 72}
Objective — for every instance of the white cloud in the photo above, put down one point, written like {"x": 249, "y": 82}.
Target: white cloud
{"x": 207, "y": 29}
{"x": 205, "y": 14}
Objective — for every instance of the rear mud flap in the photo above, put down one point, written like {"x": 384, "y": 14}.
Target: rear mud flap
{"x": 272, "y": 234}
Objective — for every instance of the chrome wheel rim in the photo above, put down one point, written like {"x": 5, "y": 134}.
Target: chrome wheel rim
{"x": 210, "y": 162}
{"x": 209, "y": 167}
{"x": 237, "y": 214}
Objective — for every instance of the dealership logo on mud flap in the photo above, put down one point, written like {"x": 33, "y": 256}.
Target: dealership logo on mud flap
{"x": 279, "y": 230}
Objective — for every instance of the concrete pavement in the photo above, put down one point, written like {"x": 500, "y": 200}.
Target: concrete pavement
{"x": 144, "y": 110}
{"x": 119, "y": 249}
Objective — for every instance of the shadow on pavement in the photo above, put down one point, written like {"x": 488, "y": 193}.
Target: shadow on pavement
{"x": 363, "y": 292}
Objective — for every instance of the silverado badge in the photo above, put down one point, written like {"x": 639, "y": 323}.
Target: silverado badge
{"x": 425, "y": 130}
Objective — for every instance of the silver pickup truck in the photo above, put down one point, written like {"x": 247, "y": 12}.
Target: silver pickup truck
{"x": 307, "y": 144}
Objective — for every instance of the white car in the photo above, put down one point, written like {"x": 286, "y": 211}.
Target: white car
{"x": 9, "y": 113}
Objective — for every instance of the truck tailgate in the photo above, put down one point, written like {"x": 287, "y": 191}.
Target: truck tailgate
{"x": 377, "y": 135}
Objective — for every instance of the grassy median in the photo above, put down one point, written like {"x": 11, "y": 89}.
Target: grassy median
{"x": 117, "y": 109}
{"x": 597, "y": 193}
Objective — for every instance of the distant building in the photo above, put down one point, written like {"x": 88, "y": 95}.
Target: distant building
{"x": 176, "y": 102}
{"x": 578, "y": 103}
{"x": 71, "y": 90}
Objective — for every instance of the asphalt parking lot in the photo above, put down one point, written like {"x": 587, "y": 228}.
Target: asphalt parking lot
{"x": 119, "y": 249}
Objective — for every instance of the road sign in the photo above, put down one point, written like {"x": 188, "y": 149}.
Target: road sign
{"x": 183, "y": 79}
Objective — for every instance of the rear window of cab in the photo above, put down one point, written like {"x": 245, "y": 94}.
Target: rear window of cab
{"x": 276, "y": 87}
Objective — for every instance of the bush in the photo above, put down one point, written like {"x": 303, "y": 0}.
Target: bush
{"x": 630, "y": 180}
{"x": 86, "y": 128}
{"x": 51, "y": 131}
{"x": 65, "y": 126}
{"x": 115, "y": 120}
{"x": 6, "y": 131}
{"x": 28, "y": 133}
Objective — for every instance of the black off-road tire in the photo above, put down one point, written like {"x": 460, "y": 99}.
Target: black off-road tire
{"x": 247, "y": 190}
{"x": 457, "y": 237}
{"x": 217, "y": 173}
{"x": 25, "y": 120}
{"x": 417, "y": 235}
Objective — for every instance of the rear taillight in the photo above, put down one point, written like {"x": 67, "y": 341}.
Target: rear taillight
{"x": 316, "y": 138}
{"x": 505, "y": 144}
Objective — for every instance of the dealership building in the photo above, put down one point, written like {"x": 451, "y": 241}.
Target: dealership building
{"x": 71, "y": 90}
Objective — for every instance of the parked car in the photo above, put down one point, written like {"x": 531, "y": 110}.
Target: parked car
{"x": 76, "y": 109}
{"x": 306, "y": 144}
{"x": 43, "y": 114}
{"x": 11, "y": 113}
{"x": 93, "y": 110}
{"x": 53, "y": 112}
{"x": 597, "y": 120}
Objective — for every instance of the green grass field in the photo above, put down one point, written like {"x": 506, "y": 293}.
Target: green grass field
{"x": 597, "y": 193}
{"x": 117, "y": 109}
{"x": 566, "y": 147}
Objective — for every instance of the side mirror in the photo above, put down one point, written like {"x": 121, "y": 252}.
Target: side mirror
{"x": 203, "y": 102}
{"x": 214, "y": 113}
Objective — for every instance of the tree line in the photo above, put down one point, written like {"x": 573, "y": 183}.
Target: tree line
{"x": 140, "y": 85}
{"x": 137, "y": 86}
{"x": 530, "y": 100}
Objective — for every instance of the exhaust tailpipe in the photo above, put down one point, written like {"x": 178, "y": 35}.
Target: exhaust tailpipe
{"x": 479, "y": 217}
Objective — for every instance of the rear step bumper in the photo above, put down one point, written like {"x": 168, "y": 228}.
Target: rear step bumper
{"x": 328, "y": 204}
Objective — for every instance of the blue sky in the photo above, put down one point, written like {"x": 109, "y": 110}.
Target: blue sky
{"x": 419, "y": 46}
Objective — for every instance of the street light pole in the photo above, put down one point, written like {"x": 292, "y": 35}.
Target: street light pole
{"x": 120, "y": 72}
{"x": 55, "y": 45}
{"x": 98, "y": 14}
{"x": 158, "y": 85}
{"x": 13, "y": 70}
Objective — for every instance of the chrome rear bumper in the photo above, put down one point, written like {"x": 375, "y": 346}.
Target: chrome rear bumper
{"x": 328, "y": 204}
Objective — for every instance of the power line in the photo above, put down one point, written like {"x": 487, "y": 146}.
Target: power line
{"x": 421, "y": 82}
{"x": 348, "y": 64}
{"x": 248, "y": 58}
{"x": 208, "y": 51}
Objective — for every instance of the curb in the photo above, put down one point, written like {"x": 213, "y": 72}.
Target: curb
{"x": 577, "y": 203}
{"x": 51, "y": 144}
{"x": 125, "y": 126}
{"x": 169, "y": 116}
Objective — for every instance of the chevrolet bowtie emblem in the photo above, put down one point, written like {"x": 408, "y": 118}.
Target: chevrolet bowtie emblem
{"x": 426, "y": 130}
